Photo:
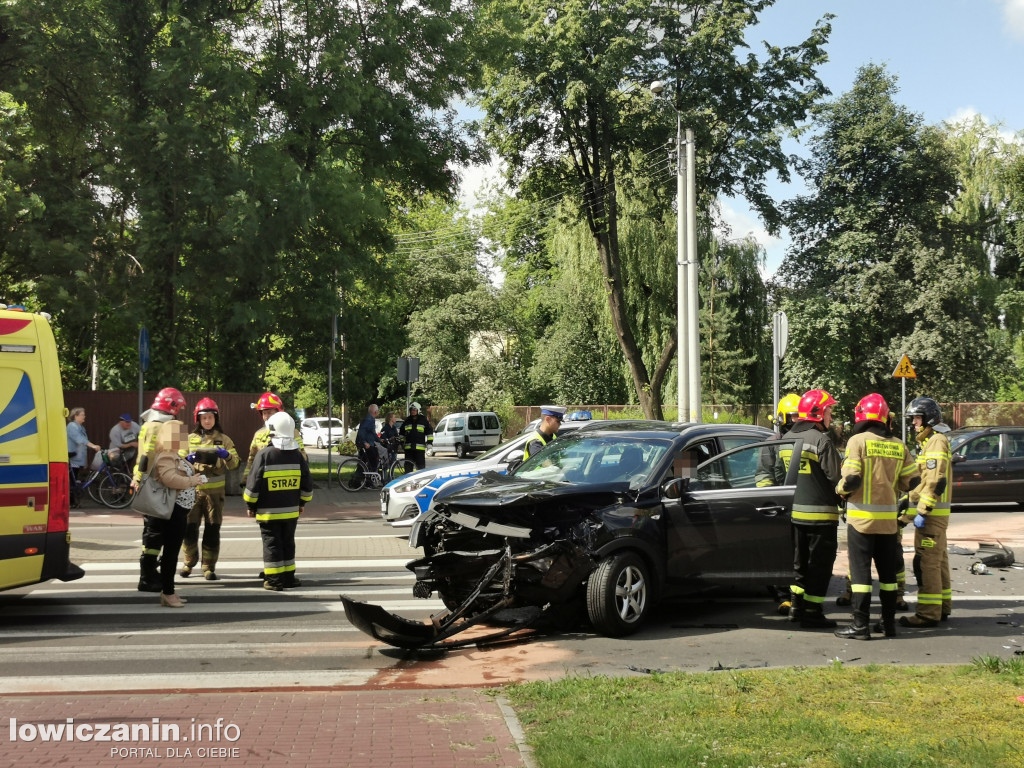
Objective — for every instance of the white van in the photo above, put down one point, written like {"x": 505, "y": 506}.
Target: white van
{"x": 466, "y": 433}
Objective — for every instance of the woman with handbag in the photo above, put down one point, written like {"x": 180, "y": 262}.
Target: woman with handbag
{"x": 172, "y": 471}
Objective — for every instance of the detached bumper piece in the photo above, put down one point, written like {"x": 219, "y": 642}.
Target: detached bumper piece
{"x": 400, "y": 632}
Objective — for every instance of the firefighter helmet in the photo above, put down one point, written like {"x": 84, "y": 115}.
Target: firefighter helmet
{"x": 872, "y": 408}
{"x": 281, "y": 427}
{"x": 269, "y": 402}
{"x": 206, "y": 405}
{"x": 169, "y": 400}
{"x": 927, "y": 409}
{"x": 415, "y": 406}
{"x": 789, "y": 406}
{"x": 813, "y": 405}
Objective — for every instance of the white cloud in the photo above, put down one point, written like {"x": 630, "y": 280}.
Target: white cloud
{"x": 742, "y": 222}
{"x": 475, "y": 179}
{"x": 1013, "y": 13}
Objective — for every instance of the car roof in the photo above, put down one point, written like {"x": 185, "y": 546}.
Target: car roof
{"x": 643, "y": 428}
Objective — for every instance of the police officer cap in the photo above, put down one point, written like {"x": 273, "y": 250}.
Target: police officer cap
{"x": 555, "y": 411}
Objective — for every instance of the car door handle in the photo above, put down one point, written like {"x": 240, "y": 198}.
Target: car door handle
{"x": 770, "y": 511}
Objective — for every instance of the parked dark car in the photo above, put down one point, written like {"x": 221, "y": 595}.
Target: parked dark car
{"x": 611, "y": 520}
{"x": 988, "y": 466}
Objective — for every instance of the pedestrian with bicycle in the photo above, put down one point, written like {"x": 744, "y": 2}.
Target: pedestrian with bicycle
{"x": 370, "y": 447}
{"x": 78, "y": 442}
{"x": 390, "y": 436}
{"x": 212, "y": 453}
{"x": 417, "y": 434}
{"x": 124, "y": 438}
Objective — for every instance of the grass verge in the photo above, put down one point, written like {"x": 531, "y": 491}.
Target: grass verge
{"x": 882, "y": 717}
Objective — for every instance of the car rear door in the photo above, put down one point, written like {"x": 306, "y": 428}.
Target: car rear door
{"x": 728, "y": 531}
{"x": 978, "y": 476}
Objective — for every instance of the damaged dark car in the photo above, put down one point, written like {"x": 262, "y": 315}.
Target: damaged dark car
{"x": 602, "y": 524}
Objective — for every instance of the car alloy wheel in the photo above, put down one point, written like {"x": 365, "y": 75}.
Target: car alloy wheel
{"x": 460, "y": 450}
{"x": 320, "y": 443}
{"x": 619, "y": 594}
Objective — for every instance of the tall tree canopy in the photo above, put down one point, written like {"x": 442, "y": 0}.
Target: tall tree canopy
{"x": 567, "y": 108}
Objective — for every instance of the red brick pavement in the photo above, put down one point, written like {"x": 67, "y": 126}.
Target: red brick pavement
{"x": 329, "y": 728}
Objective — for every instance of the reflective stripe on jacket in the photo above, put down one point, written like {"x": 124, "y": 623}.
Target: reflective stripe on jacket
{"x": 884, "y": 467}
{"x": 815, "y": 501}
{"x": 934, "y": 463}
{"x": 534, "y": 438}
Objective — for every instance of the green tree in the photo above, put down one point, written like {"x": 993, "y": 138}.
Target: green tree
{"x": 565, "y": 108}
{"x": 875, "y": 262}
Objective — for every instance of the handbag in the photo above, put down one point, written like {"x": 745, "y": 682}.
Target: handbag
{"x": 154, "y": 499}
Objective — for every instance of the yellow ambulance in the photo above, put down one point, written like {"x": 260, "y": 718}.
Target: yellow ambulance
{"x": 35, "y": 541}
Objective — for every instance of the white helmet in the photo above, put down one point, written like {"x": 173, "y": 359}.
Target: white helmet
{"x": 282, "y": 431}
{"x": 416, "y": 406}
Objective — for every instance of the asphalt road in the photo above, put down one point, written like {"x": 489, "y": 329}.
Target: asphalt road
{"x": 99, "y": 633}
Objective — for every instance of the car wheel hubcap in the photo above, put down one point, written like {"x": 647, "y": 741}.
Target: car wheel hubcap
{"x": 630, "y": 595}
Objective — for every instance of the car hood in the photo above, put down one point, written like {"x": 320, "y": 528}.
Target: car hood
{"x": 508, "y": 500}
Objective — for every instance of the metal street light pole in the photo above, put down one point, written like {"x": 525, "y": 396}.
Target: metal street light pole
{"x": 693, "y": 265}
{"x": 682, "y": 314}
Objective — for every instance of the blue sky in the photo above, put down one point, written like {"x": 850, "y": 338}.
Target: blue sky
{"x": 952, "y": 58}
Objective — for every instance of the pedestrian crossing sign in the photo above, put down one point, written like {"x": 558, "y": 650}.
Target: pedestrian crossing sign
{"x": 904, "y": 370}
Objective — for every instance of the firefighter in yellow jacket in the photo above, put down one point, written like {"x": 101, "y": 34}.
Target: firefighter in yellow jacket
{"x": 876, "y": 469}
{"x": 166, "y": 404}
{"x": 932, "y": 497}
{"x": 267, "y": 405}
{"x": 213, "y": 454}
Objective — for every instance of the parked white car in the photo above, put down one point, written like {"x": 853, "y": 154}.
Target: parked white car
{"x": 465, "y": 433}
{"x": 314, "y": 432}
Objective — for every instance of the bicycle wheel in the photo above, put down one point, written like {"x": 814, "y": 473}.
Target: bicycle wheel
{"x": 401, "y": 467}
{"x": 116, "y": 490}
{"x": 352, "y": 474}
{"x": 92, "y": 484}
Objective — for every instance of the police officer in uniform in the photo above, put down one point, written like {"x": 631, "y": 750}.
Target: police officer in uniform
{"x": 547, "y": 430}
{"x": 932, "y": 497}
{"x": 815, "y": 518}
{"x": 876, "y": 469}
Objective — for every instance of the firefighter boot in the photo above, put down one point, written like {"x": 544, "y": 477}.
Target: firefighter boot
{"x": 858, "y": 630}
{"x": 796, "y": 606}
{"x": 887, "y": 626}
{"x": 149, "y": 577}
{"x": 190, "y": 548}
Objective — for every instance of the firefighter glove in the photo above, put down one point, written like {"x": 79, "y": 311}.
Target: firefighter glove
{"x": 919, "y": 521}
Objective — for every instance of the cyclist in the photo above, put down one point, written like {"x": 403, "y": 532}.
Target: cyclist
{"x": 373, "y": 452}
{"x": 390, "y": 436}
{"x": 124, "y": 439}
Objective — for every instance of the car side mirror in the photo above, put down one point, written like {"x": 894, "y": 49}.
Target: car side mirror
{"x": 672, "y": 490}
{"x": 958, "y": 457}
{"x": 514, "y": 460}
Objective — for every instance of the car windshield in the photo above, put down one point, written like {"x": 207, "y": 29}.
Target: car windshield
{"x": 596, "y": 459}
{"x": 334, "y": 424}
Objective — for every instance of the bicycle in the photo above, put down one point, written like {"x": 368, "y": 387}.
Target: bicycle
{"x": 354, "y": 474}
{"x": 107, "y": 485}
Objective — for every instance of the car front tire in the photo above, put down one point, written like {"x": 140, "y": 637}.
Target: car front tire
{"x": 320, "y": 443}
{"x": 619, "y": 594}
{"x": 460, "y": 450}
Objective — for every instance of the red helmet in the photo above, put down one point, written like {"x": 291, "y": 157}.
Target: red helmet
{"x": 813, "y": 405}
{"x": 169, "y": 400}
{"x": 206, "y": 405}
{"x": 872, "y": 408}
{"x": 269, "y": 402}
